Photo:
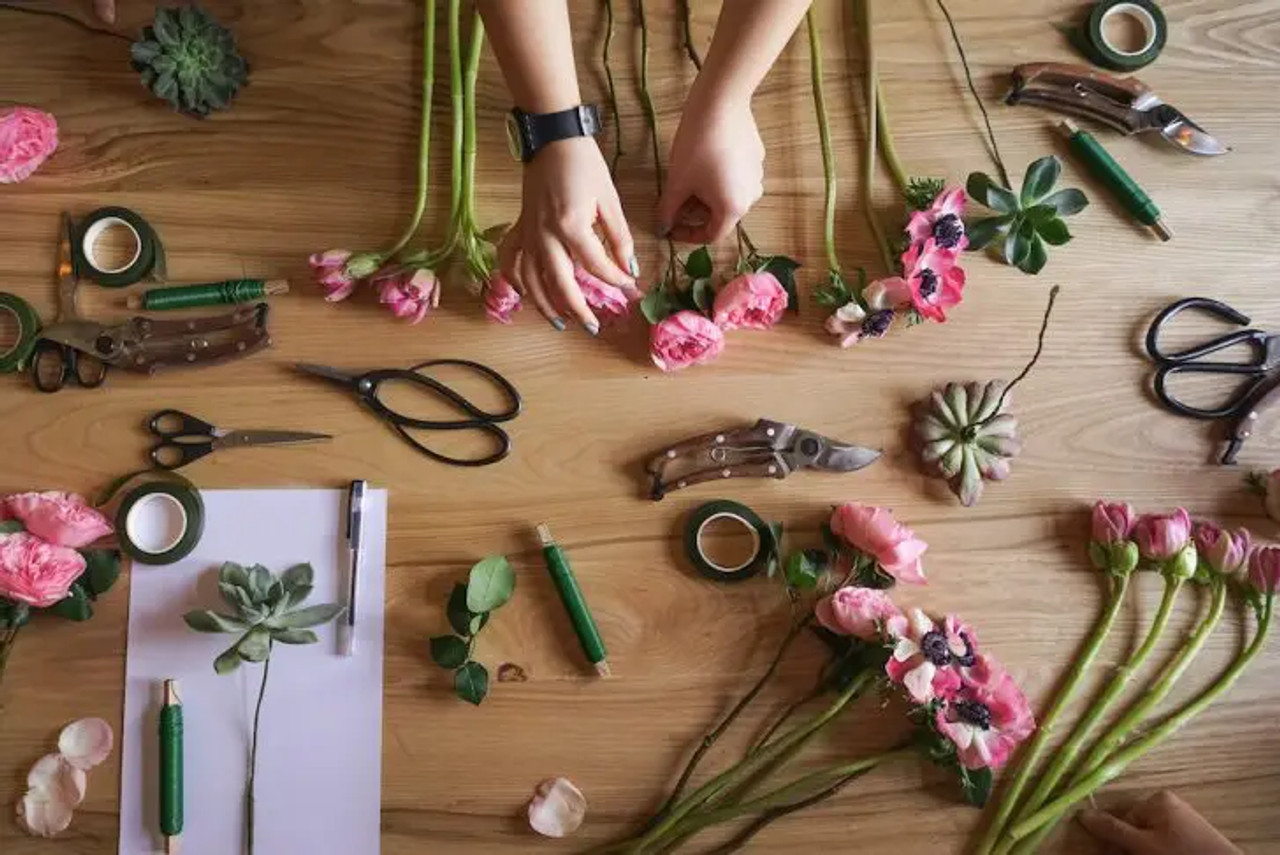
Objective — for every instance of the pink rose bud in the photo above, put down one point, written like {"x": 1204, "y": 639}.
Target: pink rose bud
{"x": 752, "y": 301}
{"x": 1112, "y": 522}
{"x": 607, "y": 301}
{"x": 501, "y": 300}
{"x": 683, "y": 339}
{"x": 860, "y": 612}
{"x": 1264, "y": 569}
{"x": 875, "y": 533}
{"x": 1161, "y": 537}
{"x": 35, "y": 572}
{"x": 1225, "y": 552}
{"x": 27, "y": 138}
{"x": 63, "y": 519}
{"x": 330, "y": 270}
{"x": 408, "y": 293}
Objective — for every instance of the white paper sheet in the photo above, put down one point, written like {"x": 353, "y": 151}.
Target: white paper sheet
{"x": 320, "y": 741}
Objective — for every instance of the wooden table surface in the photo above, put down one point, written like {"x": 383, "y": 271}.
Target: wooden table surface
{"x": 319, "y": 152}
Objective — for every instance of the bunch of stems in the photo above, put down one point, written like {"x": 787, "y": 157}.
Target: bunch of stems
{"x": 655, "y": 138}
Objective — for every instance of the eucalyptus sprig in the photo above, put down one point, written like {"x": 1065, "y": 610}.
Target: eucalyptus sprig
{"x": 489, "y": 585}
{"x": 1030, "y": 220}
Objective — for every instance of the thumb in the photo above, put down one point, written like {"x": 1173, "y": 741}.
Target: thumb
{"x": 106, "y": 10}
{"x": 675, "y": 195}
{"x": 1112, "y": 829}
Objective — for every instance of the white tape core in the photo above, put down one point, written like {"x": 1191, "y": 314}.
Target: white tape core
{"x": 90, "y": 242}
{"x": 156, "y": 523}
{"x": 1144, "y": 17}
{"x": 755, "y": 541}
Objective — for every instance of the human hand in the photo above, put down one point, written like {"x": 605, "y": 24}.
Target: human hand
{"x": 1162, "y": 825}
{"x": 716, "y": 172}
{"x": 105, "y": 10}
{"x": 567, "y": 191}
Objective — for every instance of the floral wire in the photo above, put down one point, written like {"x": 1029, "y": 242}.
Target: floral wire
{"x": 1044, "y": 327}
{"x": 66, "y": 17}
{"x": 651, "y": 115}
{"x": 424, "y": 144}
{"x": 873, "y": 101}
{"x": 973, "y": 90}
{"x": 613, "y": 91}
{"x": 253, "y": 752}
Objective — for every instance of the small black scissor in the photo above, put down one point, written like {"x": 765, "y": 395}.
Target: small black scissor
{"x": 1261, "y": 373}
{"x": 366, "y": 387}
{"x": 184, "y": 438}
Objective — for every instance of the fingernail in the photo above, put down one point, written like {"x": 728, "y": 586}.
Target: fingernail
{"x": 558, "y": 324}
{"x": 634, "y": 266}
{"x": 593, "y": 328}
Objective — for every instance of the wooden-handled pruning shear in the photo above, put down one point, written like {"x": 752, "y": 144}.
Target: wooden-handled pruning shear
{"x": 1124, "y": 103}
{"x": 767, "y": 449}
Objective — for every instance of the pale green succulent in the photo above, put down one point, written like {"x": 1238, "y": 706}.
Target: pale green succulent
{"x": 190, "y": 60}
{"x": 966, "y": 436}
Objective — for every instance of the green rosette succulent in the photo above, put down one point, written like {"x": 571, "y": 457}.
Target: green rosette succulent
{"x": 966, "y": 436}
{"x": 190, "y": 60}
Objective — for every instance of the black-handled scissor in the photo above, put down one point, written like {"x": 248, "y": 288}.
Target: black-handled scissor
{"x": 1261, "y": 373}
{"x": 185, "y": 438}
{"x": 367, "y": 388}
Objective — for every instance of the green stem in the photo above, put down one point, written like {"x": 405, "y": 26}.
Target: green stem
{"x": 791, "y": 710}
{"x": 1119, "y": 732}
{"x": 7, "y": 640}
{"x": 873, "y": 120}
{"x": 613, "y": 90}
{"x": 1064, "y": 761}
{"x": 739, "y": 840}
{"x": 824, "y": 134}
{"x": 887, "y": 146}
{"x": 1116, "y": 765}
{"x": 424, "y": 138}
{"x": 1009, "y": 799}
{"x": 469, "y": 124}
{"x": 253, "y": 753}
{"x": 456, "y": 168}
{"x": 651, "y": 117}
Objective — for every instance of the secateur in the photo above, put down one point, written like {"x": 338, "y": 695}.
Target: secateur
{"x": 80, "y": 350}
{"x": 1261, "y": 372}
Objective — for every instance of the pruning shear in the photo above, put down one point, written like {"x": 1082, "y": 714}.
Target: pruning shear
{"x": 767, "y": 449}
{"x": 1261, "y": 373}
{"x": 1124, "y": 103}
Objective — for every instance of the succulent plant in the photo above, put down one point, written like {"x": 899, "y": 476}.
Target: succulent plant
{"x": 967, "y": 437}
{"x": 190, "y": 60}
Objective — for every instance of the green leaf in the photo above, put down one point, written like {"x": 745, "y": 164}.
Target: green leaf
{"x": 143, "y": 53}
{"x": 920, "y": 192}
{"x": 976, "y": 784}
{"x": 448, "y": 651}
{"x": 1067, "y": 202}
{"x": 1054, "y": 232}
{"x": 982, "y": 232}
{"x": 477, "y": 623}
{"x": 1002, "y": 200}
{"x": 74, "y": 606}
{"x": 310, "y": 616}
{"x": 802, "y": 572}
{"x": 1017, "y": 243}
{"x": 1041, "y": 214}
{"x": 490, "y": 584}
{"x": 702, "y": 293}
{"x": 1039, "y": 180}
{"x": 190, "y": 20}
{"x": 784, "y": 270}
{"x": 256, "y": 645}
{"x": 459, "y": 615}
{"x": 234, "y": 574}
{"x": 238, "y": 598}
{"x": 102, "y": 569}
{"x": 260, "y": 580}
{"x": 228, "y": 660}
{"x": 471, "y": 682}
{"x": 698, "y": 264}
{"x": 1037, "y": 255}
{"x": 983, "y": 188}
{"x": 202, "y": 620}
{"x": 275, "y": 593}
{"x": 166, "y": 28}
{"x": 10, "y": 527}
{"x": 831, "y": 540}
{"x": 298, "y": 576}
{"x": 13, "y": 615}
{"x": 294, "y": 636}
{"x": 656, "y": 305}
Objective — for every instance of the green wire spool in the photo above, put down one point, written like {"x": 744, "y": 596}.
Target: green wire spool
{"x": 228, "y": 292}
{"x": 171, "y": 762}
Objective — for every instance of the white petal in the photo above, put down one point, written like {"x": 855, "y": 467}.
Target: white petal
{"x": 43, "y": 814}
{"x": 964, "y": 735}
{"x": 851, "y": 313}
{"x": 919, "y": 682}
{"x": 86, "y": 743}
{"x": 920, "y": 623}
{"x": 557, "y": 808}
{"x": 53, "y": 777}
{"x": 905, "y": 649}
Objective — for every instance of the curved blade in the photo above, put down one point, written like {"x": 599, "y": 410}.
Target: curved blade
{"x": 846, "y": 458}
{"x": 245, "y": 438}
{"x": 1190, "y": 137}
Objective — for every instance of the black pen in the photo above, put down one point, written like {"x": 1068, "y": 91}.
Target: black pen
{"x": 355, "y": 540}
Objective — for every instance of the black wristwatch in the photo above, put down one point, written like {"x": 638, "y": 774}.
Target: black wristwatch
{"x": 527, "y": 133}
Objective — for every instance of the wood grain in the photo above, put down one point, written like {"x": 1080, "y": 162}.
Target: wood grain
{"x": 319, "y": 152}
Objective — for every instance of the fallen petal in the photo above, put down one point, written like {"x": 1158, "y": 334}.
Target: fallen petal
{"x": 53, "y": 777}
{"x": 43, "y": 815}
{"x": 557, "y": 808}
{"x": 86, "y": 743}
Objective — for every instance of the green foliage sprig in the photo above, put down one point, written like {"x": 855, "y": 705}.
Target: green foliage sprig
{"x": 190, "y": 60}
{"x": 1030, "y": 221}
{"x": 489, "y": 585}
{"x": 698, "y": 292}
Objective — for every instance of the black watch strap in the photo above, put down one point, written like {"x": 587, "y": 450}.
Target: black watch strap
{"x": 536, "y": 130}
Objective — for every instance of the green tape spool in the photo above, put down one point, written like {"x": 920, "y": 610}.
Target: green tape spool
{"x": 1092, "y": 39}
{"x": 160, "y": 522}
{"x": 148, "y": 258}
{"x": 722, "y": 509}
{"x": 15, "y": 358}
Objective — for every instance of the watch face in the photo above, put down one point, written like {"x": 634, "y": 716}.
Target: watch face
{"x": 515, "y": 144}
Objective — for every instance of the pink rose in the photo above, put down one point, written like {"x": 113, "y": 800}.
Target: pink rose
{"x": 35, "y": 572}
{"x": 860, "y": 612}
{"x": 501, "y": 300}
{"x": 27, "y": 137}
{"x": 1225, "y": 552}
{"x": 752, "y": 301}
{"x": 941, "y": 222}
{"x": 63, "y": 519}
{"x": 986, "y": 720}
{"x": 874, "y": 532}
{"x": 936, "y": 281}
{"x": 608, "y": 301}
{"x": 1161, "y": 537}
{"x": 330, "y": 269}
{"x": 1264, "y": 569}
{"x": 683, "y": 339}
{"x": 408, "y": 293}
{"x": 1112, "y": 522}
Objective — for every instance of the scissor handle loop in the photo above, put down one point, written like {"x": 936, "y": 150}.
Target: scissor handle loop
{"x": 173, "y": 424}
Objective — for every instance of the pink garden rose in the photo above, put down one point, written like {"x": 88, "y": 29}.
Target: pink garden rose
{"x": 409, "y": 294}
{"x": 752, "y": 301}
{"x": 35, "y": 572}
{"x": 936, "y": 281}
{"x": 930, "y": 660}
{"x": 1224, "y": 551}
{"x": 1264, "y": 569}
{"x": 986, "y": 719}
{"x": 1161, "y": 537}
{"x": 330, "y": 269}
{"x": 875, "y": 533}
{"x": 608, "y": 301}
{"x": 860, "y": 612}
{"x": 1112, "y": 522}
{"x": 501, "y": 300}
{"x": 683, "y": 339}
{"x": 941, "y": 222}
{"x": 63, "y": 519}
{"x": 27, "y": 138}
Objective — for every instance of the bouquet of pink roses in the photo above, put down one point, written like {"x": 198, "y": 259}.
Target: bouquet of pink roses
{"x": 46, "y": 562}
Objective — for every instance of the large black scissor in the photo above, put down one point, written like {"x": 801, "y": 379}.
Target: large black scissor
{"x": 366, "y": 387}
{"x": 1261, "y": 373}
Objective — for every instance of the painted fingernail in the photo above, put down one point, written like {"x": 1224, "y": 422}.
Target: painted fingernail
{"x": 558, "y": 324}
{"x": 634, "y": 266}
{"x": 592, "y": 327}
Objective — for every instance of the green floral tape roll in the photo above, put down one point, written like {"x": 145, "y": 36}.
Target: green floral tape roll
{"x": 763, "y": 544}
{"x": 148, "y": 254}
{"x": 15, "y": 358}
{"x": 1093, "y": 41}
{"x": 160, "y": 522}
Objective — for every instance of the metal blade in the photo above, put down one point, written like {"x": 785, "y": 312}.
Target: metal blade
{"x": 1190, "y": 137}
{"x": 846, "y": 458}
{"x": 244, "y": 438}
{"x": 340, "y": 377}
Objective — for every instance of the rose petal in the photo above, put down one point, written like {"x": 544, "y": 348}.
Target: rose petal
{"x": 557, "y": 808}
{"x": 53, "y": 777}
{"x": 43, "y": 814}
{"x": 86, "y": 743}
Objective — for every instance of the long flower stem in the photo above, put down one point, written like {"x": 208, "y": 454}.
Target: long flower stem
{"x": 869, "y": 161}
{"x": 1009, "y": 800}
{"x": 424, "y": 138}
{"x": 1064, "y": 760}
{"x": 8, "y": 638}
{"x": 253, "y": 754}
{"x": 613, "y": 89}
{"x": 973, "y": 90}
{"x": 887, "y": 146}
{"x": 1155, "y": 694}
{"x": 791, "y": 710}
{"x": 739, "y": 840}
{"x": 1116, "y": 765}
{"x": 456, "y": 176}
{"x": 469, "y": 124}
{"x": 824, "y": 134}
{"x": 651, "y": 116}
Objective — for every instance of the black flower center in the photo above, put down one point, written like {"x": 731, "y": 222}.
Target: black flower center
{"x": 967, "y": 658}
{"x": 947, "y": 231}
{"x": 928, "y": 283}
{"x": 877, "y": 323}
{"x": 974, "y": 713}
{"x": 934, "y": 647}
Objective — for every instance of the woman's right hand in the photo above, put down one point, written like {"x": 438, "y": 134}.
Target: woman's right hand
{"x": 1162, "y": 825}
